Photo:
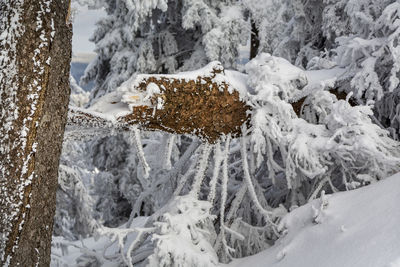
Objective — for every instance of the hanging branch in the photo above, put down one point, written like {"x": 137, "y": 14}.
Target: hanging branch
{"x": 217, "y": 165}
{"x": 251, "y": 190}
{"x": 201, "y": 169}
{"x": 224, "y": 194}
{"x": 137, "y": 140}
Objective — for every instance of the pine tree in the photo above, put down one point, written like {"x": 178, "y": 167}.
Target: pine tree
{"x": 360, "y": 36}
{"x": 163, "y": 37}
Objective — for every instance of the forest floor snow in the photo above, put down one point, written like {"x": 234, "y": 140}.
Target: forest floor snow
{"x": 359, "y": 228}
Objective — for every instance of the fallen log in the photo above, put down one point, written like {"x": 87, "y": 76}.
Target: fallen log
{"x": 208, "y": 103}
{"x": 201, "y": 103}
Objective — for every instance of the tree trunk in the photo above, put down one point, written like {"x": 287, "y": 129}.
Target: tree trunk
{"x": 35, "y": 52}
{"x": 254, "y": 40}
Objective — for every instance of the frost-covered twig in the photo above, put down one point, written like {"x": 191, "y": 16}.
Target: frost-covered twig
{"x": 267, "y": 214}
{"x": 201, "y": 168}
{"x": 137, "y": 140}
{"x": 182, "y": 181}
{"x": 217, "y": 165}
{"x": 224, "y": 192}
{"x": 169, "y": 148}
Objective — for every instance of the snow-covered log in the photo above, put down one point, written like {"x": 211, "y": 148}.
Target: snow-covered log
{"x": 203, "y": 103}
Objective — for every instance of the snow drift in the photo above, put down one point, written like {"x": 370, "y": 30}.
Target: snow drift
{"x": 354, "y": 228}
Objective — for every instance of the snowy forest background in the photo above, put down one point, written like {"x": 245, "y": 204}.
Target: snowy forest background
{"x": 157, "y": 199}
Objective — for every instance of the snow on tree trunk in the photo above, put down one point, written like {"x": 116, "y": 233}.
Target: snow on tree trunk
{"x": 35, "y": 51}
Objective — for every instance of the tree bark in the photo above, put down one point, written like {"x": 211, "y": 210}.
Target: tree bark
{"x": 35, "y": 47}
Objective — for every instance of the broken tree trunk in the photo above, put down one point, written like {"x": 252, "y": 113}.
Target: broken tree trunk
{"x": 205, "y": 105}
{"x": 35, "y": 52}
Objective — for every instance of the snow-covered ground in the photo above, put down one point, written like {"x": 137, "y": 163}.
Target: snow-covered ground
{"x": 357, "y": 228}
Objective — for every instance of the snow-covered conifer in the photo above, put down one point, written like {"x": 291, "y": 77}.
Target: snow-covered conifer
{"x": 302, "y": 139}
